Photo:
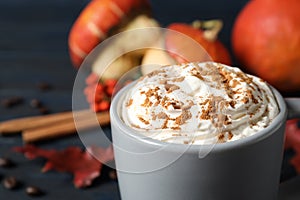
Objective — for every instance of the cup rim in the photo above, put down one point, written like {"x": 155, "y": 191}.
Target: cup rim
{"x": 194, "y": 148}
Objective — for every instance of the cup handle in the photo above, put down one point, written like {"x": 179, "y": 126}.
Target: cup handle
{"x": 293, "y": 105}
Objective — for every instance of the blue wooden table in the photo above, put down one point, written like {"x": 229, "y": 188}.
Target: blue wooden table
{"x": 33, "y": 50}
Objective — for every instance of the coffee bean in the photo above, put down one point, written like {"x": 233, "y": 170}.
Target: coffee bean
{"x": 44, "y": 110}
{"x": 10, "y": 183}
{"x": 33, "y": 191}
{"x": 43, "y": 86}
{"x": 35, "y": 103}
{"x": 5, "y": 162}
{"x": 112, "y": 175}
{"x": 12, "y": 101}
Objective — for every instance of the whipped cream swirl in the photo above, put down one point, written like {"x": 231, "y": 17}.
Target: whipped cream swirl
{"x": 199, "y": 103}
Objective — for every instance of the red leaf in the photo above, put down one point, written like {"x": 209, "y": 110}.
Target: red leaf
{"x": 103, "y": 155}
{"x": 292, "y": 140}
{"x": 295, "y": 161}
{"x": 81, "y": 164}
{"x": 292, "y": 135}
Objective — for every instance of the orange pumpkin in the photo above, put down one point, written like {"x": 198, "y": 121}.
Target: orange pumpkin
{"x": 203, "y": 33}
{"x": 266, "y": 41}
{"x": 96, "y": 21}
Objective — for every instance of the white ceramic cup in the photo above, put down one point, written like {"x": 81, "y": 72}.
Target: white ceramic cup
{"x": 246, "y": 169}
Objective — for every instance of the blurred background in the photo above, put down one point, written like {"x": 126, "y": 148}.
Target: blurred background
{"x": 35, "y": 65}
{"x": 34, "y": 43}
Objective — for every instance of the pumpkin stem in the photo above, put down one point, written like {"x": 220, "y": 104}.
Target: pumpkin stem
{"x": 211, "y": 28}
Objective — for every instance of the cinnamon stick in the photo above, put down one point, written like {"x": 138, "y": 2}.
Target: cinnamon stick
{"x": 64, "y": 128}
{"x": 18, "y": 125}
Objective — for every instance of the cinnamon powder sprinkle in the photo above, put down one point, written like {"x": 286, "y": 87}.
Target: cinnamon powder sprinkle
{"x": 245, "y": 100}
{"x": 135, "y": 126}
{"x": 153, "y": 73}
{"x": 186, "y": 115}
{"x": 227, "y": 120}
{"x": 205, "y": 115}
{"x": 176, "y": 134}
{"x": 197, "y": 74}
{"x": 235, "y": 83}
{"x": 221, "y": 137}
{"x": 154, "y": 116}
{"x": 143, "y": 120}
{"x": 180, "y": 79}
{"x": 204, "y": 102}
{"x": 150, "y": 93}
{"x": 171, "y": 87}
{"x": 161, "y": 115}
{"x": 147, "y": 103}
{"x": 164, "y": 126}
{"x": 163, "y": 81}
{"x": 230, "y": 135}
{"x": 176, "y": 128}
{"x": 179, "y": 120}
{"x": 175, "y": 105}
{"x": 232, "y": 104}
{"x": 129, "y": 103}
{"x": 166, "y": 102}
{"x": 255, "y": 101}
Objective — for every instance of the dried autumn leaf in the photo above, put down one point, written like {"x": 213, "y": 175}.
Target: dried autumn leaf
{"x": 295, "y": 161}
{"x": 81, "y": 164}
{"x": 102, "y": 154}
{"x": 292, "y": 140}
{"x": 292, "y": 135}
